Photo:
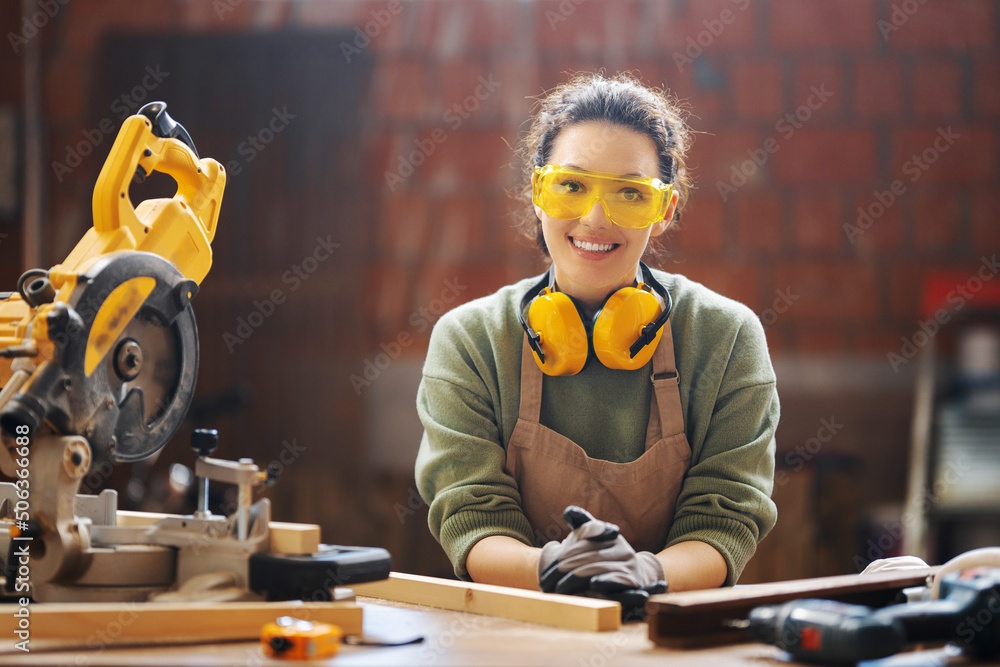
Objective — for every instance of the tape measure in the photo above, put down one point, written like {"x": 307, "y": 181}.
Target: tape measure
{"x": 294, "y": 639}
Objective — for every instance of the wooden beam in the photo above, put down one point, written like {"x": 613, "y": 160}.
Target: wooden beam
{"x": 286, "y": 538}
{"x": 129, "y": 623}
{"x": 561, "y": 611}
{"x": 697, "y": 618}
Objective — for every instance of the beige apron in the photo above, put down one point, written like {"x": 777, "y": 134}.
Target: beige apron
{"x": 553, "y": 472}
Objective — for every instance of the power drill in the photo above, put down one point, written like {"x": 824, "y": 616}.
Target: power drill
{"x": 824, "y": 631}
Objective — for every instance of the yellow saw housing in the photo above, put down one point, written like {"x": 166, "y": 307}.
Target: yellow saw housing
{"x": 179, "y": 229}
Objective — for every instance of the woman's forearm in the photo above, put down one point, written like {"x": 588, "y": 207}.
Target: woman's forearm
{"x": 504, "y": 561}
{"x": 692, "y": 566}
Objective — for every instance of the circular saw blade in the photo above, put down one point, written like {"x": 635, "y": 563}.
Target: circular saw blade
{"x": 136, "y": 391}
{"x": 148, "y": 390}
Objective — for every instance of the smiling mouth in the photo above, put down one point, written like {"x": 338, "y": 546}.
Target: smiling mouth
{"x": 593, "y": 247}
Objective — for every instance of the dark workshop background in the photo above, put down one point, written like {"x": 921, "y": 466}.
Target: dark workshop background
{"x": 846, "y": 164}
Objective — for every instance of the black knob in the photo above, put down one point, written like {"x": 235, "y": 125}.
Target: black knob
{"x": 204, "y": 441}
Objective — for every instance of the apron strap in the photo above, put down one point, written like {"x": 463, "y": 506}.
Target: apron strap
{"x": 530, "y": 409}
{"x": 666, "y": 388}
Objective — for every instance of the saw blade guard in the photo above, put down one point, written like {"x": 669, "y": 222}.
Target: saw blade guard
{"x": 125, "y": 363}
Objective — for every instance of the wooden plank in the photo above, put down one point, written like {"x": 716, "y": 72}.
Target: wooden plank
{"x": 560, "y": 611}
{"x": 695, "y": 618}
{"x": 286, "y": 538}
{"x": 170, "y": 622}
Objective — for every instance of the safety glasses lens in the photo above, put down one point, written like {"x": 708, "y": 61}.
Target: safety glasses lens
{"x": 568, "y": 194}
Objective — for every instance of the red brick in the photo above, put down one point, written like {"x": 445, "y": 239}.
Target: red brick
{"x": 707, "y": 27}
{"x": 736, "y": 281}
{"x": 708, "y": 103}
{"x": 937, "y": 223}
{"x": 380, "y": 155}
{"x": 955, "y": 24}
{"x": 67, "y": 89}
{"x": 398, "y": 90}
{"x": 986, "y": 92}
{"x": 757, "y": 88}
{"x": 874, "y": 227}
{"x": 713, "y": 155}
{"x": 389, "y": 299}
{"x": 816, "y": 218}
{"x": 815, "y": 81}
{"x": 937, "y": 87}
{"x": 519, "y": 86}
{"x": 985, "y": 221}
{"x": 401, "y": 34}
{"x": 596, "y": 26}
{"x": 337, "y": 14}
{"x": 878, "y": 88}
{"x": 820, "y": 340}
{"x": 830, "y": 292}
{"x": 701, "y": 228}
{"x": 817, "y": 24}
{"x": 758, "y": 219}
{"x": 906, "y": 282}
{"x": 443, "y": 286}
{"x": 468, "y": 156}
{"x": 455, "y": 29}
{"x": 460, "y": 227}
{"x": 403, "y": 226}
{"x": 970, "y": 159}
{"x": 874, "y": 339}
{"x": 469, "y": 90}
{"x": 826, "y": 156}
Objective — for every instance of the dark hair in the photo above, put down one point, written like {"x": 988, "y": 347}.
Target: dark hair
{"x": 621, "y": 100}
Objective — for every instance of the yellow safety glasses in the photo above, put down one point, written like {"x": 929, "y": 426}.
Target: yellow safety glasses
{"x": 628, "y": 201}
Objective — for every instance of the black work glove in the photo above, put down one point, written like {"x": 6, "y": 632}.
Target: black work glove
{"x": 596, "y": 561}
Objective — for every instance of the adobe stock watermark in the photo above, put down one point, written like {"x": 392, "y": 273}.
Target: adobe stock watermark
{"x": 124, "y": 105}
{"x": 414, "y": 502}
{"x": 454, "y": 116}
{"x": 696, "y": 44}
{"x": 31, "y": 25}
{"x": 898, "y": 16}
{"x": 252, "y": 146}
{"x": 956, "y": 298}
{"x": 892, "y": 533}
{"x": 420, "y": 320}
{"x": 783, "y": 300}
{"x": 785, "y": 127}
{"x": 381, "y": 18}
{"x": 294, "y": 277}
{"x": 100, "y": 640}
{"x": 806, "y": 451}
{"x": 565, "y": 9}
{"x": 915, "y": 167}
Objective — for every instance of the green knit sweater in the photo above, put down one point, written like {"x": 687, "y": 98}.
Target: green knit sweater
{"x": 470, "y": 392}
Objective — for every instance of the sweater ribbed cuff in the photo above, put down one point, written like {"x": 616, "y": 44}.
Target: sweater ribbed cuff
{"x": 731, "y": 538}
{"x": 461, "y": 531}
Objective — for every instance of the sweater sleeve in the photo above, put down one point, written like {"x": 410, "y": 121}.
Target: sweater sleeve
{"x": 725, "y": 499}
{"x": 460, "y": 464}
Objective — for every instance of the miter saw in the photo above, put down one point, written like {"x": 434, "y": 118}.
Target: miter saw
{"x": 98, "y": 361}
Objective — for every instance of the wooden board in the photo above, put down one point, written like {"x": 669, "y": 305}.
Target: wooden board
{"x": 130, "y": 623}
{"x": 286, "y": 538}
{"x": 695, "y": 618}
{"x": 561, "y": 611}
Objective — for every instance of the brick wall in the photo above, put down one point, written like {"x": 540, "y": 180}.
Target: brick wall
{"x": 845, "y": 150}
{"x": 805, "y": 110}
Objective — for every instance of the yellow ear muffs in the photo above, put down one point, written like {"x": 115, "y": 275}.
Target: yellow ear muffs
{"x": 621, "y": 322}
{"x": 626, "y": 331}
{"x": 562, "y": 336}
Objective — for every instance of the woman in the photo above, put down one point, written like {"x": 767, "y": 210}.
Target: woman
{"x": 663, "y": 433}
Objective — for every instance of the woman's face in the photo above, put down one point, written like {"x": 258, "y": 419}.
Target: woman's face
{"x": 592, "y": 256}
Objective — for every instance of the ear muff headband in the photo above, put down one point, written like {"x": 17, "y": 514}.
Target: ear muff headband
{"x": 627, "y": 329}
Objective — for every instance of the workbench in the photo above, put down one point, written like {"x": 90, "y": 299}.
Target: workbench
{"x": 454, "y": 638}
